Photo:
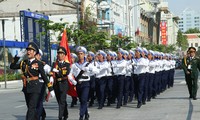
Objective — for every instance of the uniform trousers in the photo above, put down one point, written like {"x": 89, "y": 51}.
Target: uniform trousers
{"x": 127, "y": 83}
{"x": 150, "y": 86}
{"x": 146, "y": 83}
{"x": 165, "y": 79}
{"x": 83, "y": 93}
{"x": 192, "y": 84}
{"x": 120, "y": 88}
{"x": 92, "y": 89}
{"x": 109, "y": 88}
{"x": 40, "y": 108}
{"x": 139, "y": 84}
{"x": 114, "y": 89}
{"x": 131, "y": 87}
{"x": 171, "y": 79}
{"x": 159, "y": 79}
{"x": 102, "y": 85}
{"x": 31, "y": 101}
{"x": 60, "y": 89}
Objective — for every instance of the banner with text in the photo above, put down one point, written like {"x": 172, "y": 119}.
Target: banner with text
{"x": 163, "y": 29}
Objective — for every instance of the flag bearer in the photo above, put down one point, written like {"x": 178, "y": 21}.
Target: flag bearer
{"x": 61, "y": 70}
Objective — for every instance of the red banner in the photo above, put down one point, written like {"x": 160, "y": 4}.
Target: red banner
{"x": 163, "y": 29}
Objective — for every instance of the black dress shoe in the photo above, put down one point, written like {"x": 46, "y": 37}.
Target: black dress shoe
{"x": 125, "y": 104}
{"x": 100, "y": 107}
{"x": 139, "y": 105}
{"x": 90, "y": 104}
{"x": 118, "y": 106}
{"x": 148, "y": 100}
{"x": 108, "y": 104}
{"x": 194, "y": 98}
{"x": 65, "y": 118}
{"x": 144, "y": 103}
{"x": 190, "y": 97}
{"x": 81, "y": 118}
{"x": 87, "y": 116}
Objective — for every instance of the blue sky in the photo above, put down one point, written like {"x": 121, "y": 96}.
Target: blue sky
{"x": 177, "y": 6}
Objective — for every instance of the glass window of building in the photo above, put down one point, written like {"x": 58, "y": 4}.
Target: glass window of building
{"x": 196, "y": 44}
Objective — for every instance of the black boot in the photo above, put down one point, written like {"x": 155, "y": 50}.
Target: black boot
{"x": 87, "y": 116}
{"x": 81, "y": 118}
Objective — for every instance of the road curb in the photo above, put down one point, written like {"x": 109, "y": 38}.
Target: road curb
{"x": 10, "y": 82}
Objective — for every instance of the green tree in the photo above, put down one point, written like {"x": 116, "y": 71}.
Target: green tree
{"x": 88, "y": 35}
{"x": 192, "y": 30}
{"x": 182, "y": 41}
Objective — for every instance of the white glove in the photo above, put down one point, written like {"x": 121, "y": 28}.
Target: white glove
{"x": 114, "y": 65}
{"x": 133, "y": 64}
{"x": 74, "y": 82}
{"x": 21, "y": 53}
{"x": 55, "y": 70}
{"x": 98, "y": 67}
{"x": 51, "y": 79}
{"x": 71, "y": 78}
{"x": 52, "y": 94}
{"x": 85, "y": 69}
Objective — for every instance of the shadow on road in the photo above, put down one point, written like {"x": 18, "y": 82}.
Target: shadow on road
{"x": 190, "y": 111}
{"x": 173, "y": 98}
{"x": 20, "y": 117}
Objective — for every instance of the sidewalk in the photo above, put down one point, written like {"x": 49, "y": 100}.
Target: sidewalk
{"x": 11, "y": 85}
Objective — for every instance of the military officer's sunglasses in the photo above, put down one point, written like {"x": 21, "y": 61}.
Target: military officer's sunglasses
{"x": 192, "y": 51}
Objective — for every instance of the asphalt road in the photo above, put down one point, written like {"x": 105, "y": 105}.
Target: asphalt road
{"x": 173, "y": 104}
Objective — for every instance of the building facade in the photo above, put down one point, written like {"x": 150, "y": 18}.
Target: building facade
{"x": 189, "y": 19}
{"x": 193, "y": 40}
{"x": 9, "y": 10}
{"x": 168, "y": 25}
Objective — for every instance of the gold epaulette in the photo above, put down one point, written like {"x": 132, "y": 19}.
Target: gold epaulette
{"x": 185, "y": 61}
{"x": 51, "y": 73}
{"x": 21, "y": 63}
{"x": 67, "y": 61}
{"x": 49, "y": 85}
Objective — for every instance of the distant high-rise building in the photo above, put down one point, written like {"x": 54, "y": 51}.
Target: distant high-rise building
{"x": 189, "y": 19}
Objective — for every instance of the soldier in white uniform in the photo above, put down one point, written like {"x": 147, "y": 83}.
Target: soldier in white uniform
{"x": 131, "y": 57}
{"x": 120, "y": 66}
{"x": 101, "y": 77}
{"x": 74, "y": 99}
{"x": 152, "y": 66}
{"x": 146, "y": 83}
{"x": 110, "y": 74}
{"x": 139, "y": 74}
{"x": 91, "y": 60}
{"x": 172, "y": 70}
{"x": 114, "y": 93}
{"x": 128, "y": 78}
{"x": 81, "y": 70}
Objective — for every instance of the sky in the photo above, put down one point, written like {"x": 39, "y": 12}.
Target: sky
{"x": 177, "y": 6}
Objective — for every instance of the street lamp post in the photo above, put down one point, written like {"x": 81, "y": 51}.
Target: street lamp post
{"x": 4, "y": 49}
{"x": 78, "y": 19}
{"x": 130, "y": 7}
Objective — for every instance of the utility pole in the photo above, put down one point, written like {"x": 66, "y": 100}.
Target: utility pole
{"x": 78, "y": 19}
{"x": 4, "y": 49}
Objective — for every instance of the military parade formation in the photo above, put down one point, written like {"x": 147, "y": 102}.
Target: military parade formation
{"x": 104, "y": 78}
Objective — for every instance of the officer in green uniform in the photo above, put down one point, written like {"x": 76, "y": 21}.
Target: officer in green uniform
{"x": 60, "y": 70}
{"x": 184, "y": 66}
{"x": 31, "y": 68}
{"x": 190, "y": 65}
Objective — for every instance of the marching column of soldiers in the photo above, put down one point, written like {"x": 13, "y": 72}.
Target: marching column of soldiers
{"x": 103, "y": 78}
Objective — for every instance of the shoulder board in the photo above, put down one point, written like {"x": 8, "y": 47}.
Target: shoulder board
{"x": 67, "y": 61}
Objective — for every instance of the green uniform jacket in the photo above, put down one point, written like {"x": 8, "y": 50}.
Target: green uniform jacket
{"x": 195, "y": 65}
